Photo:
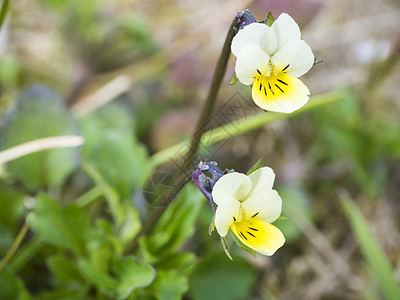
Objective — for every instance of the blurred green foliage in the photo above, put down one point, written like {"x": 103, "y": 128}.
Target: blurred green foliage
{"x": 40, "y": 113}
{"x": 85, "y": 206}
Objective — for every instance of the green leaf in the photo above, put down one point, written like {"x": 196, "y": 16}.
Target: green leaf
{"x": 11, "y": 206}
{"x": 176, "y": 224}
{"x": 269, "y": 20}
{"x": 217, "y": 278}
{"x": 65, "y": 227}
{"x": 169, "y": 285}
{"x": 10, "y": 285}
{"x": 65, "y": 293}
{"x": 111, "y": 196}
{"x": 111, "y": 116}
{"x": 40, "y": 113}
{"x": 121, "y": 160}
{"x": 131, "y": 275}
{"x": 233, "y": 80}
{"x": 131, "y": 223}
{"x": 255, "y": 167}
{"x": 101, "y": 279}
{"x": 182, "y": 262}
{"x": 63, "y": 269}
{"x": 373, "y": 253}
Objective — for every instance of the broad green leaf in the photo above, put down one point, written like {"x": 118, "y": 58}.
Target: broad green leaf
{"x": 66, "y": 293}
{"x": 99, "y": 278}
{"x": 131, "y": 224}
{"x": 121, "y": 160}
{"x": 255, "y": 167}
{"x": 101, "y": 256}
{"x": 169, "y": 285}
{"x": 111, "y": 116}
{"x": 111, "y": 196}
{"x": 10, "y": 285}
{"x": 11, "y": 211}
{"x": 182, "y": 262}
{"x": 40, "y": 113}
{"x": 217, "y": 278}
{"x": 63, "y": 268}
{"x": 233, "y": 80}
{"x": 176, "y": 224}
{"x": 131, "y": 275}
{"x": 270, "y": 20}
{"x": 372, "y": 251}
{"x": 67, "y": 227}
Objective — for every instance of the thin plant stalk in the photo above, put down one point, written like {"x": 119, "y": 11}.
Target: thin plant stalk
{"x": 247, "y": 124}
{"x": 184, "y": 175}
{"x": 14, "y": 247}
{"x": 3, "y": 12}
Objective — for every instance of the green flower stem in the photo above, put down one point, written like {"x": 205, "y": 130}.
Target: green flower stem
{"x": 14, "y": 247}
{"x": 3, "y": 12}
{"x": 247, "y": 124}
{"x": 26, "y": 253}
{"x": 89, "y": 196}
{"x": 184, "y": 177}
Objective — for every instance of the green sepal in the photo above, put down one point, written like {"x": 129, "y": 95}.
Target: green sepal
{"x": 243, "y": 246}
{"x": 226, "y": 247}
{"x": 269, "y": 20}
{"x": 317, "y": 61}
{"x": 255, "y": 167}
{"x": 212, "y": 225}
{"x": 282, "y": 217}
{"x": 233, "y": 79}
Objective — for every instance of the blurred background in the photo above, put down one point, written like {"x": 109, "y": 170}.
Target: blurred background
{"x": 131, "y": 77}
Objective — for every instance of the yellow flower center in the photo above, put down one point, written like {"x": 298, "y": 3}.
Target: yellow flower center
{"x": 272, "y": 82}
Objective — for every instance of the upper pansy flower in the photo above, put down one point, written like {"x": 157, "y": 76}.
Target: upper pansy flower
{"x": 247, "y": 205}
{"x": 271, "y": 59}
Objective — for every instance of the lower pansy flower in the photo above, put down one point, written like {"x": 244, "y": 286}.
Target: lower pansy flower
{"x": 247, "y": 205}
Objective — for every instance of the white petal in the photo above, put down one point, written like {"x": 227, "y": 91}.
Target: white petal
{"x": 297, "y": 55}
{"x": 232, "y": 185}
{"x": 251, "y": 59}
{"x": 262, "y": 180}
{"x": 225, "y": 214}
{"x": 256, "y": 34}
{"x": 265, "y": 206}
{"x": 286, "y": 30}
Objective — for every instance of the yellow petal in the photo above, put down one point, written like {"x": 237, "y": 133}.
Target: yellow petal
{"x": 259, "y": 235}
{"x": 279, "y": 93}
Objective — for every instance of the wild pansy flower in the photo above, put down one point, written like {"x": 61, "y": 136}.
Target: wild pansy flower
{"x": 271, "y": 59}
{"x": 245, "y": 204}
{"x": 248, "y": 205}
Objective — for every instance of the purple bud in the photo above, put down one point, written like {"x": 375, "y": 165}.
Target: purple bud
{"x": 246, "y": 17}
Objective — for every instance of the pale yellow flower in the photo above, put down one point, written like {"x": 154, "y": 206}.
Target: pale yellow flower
{"x": 271, "y": 59}
{"x": 248, "y": 205}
